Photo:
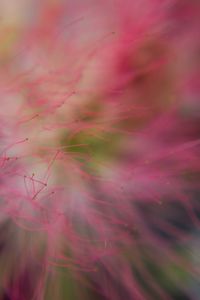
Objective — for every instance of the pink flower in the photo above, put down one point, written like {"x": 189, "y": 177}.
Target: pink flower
{"x": 99, "y": 149}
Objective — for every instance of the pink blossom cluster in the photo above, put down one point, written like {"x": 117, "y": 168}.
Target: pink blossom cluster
{"x": 99, "y": 143}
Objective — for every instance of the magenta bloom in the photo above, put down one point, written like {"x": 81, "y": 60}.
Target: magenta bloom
{"x": 99, "y": 143}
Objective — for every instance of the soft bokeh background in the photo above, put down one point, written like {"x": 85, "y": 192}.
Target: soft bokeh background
{"x": 130, "y": 91}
